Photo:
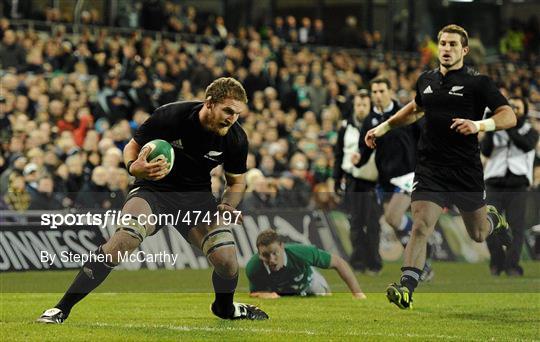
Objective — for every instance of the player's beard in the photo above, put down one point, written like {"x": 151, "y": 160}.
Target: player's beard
{"x": 450, "y": 65}
{"x": 213, "y": 124}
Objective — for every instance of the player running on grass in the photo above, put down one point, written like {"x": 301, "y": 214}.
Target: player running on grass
{"x": 453, "y": 99}
{"x": 395, "y": 159}
{"x": 203, "y": 135}
{"x": 280, "y": 269}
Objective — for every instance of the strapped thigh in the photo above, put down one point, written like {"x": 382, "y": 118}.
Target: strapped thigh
{"x": 133, "y": 228}
{"x": 217, "y": 238}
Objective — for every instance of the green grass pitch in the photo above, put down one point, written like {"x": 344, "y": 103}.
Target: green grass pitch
{"x": 463, "y": 303}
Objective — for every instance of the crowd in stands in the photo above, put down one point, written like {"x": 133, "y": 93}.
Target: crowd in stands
{"x": 70, "y": 103}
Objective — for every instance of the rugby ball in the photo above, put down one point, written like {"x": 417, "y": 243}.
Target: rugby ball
{"x": 160, "y": 150}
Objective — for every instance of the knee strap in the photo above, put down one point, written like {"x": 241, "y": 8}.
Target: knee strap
{"x": 221, "y": 237}
{"x": 134, "y": 228}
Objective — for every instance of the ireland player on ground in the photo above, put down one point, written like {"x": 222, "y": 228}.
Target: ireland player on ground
{"x": 288, "y": 269}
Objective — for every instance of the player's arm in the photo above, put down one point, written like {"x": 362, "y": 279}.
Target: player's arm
{"x": 233, "y": 193}
{"x": 487, "y": 95}
{"x": 503, "y": 118}
{"x": 136, "y": 163}
{"x": 346, "y": 273}
{"x": 161, "y": 124}
{"x": 405, "y": 116}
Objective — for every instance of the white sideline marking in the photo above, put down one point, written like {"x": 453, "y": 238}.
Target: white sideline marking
{"x": 279, "y": 330}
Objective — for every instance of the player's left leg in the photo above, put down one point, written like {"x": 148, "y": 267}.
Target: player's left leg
{"x": 485, "y": 221}
{"x": 218, "y": 245}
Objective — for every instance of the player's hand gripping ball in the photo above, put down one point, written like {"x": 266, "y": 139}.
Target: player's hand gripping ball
{"x": 155, "y": 160}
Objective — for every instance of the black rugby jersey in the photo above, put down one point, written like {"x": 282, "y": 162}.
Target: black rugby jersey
{"x": 197, "y": 150}
{"x": 462, "y": 93}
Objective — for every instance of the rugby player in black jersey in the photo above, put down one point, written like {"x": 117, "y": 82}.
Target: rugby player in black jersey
{"x": 452, "y": 98}
{"x": 203, "y": 135}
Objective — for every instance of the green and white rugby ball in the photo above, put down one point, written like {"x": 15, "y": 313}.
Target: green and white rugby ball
{"x": 160, "y": 150}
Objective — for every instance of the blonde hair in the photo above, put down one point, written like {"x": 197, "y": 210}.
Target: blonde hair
{"x": 225, "y": 88}
{"x": 453, "y": 28}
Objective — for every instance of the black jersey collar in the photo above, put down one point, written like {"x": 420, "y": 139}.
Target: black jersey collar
{"x": 450, "y": 71}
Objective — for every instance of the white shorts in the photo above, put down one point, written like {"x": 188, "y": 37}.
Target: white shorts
{"x": 318, "y": 286}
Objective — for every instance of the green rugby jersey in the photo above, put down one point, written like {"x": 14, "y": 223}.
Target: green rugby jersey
{"x": 296, "y": 274}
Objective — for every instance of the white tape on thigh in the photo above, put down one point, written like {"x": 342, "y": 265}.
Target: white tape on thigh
{"x": 220, "y": 237}
{"x": 134, "y": 228}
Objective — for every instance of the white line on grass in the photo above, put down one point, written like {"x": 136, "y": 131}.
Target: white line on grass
{"x": 282, "y": 331}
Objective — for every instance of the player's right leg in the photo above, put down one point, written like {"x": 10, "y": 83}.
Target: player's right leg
{"x": 395, "y": 216}
{"x": 93, "y": 273}
{"x": 425, "y": 216}
{"x": 217, "y": 243}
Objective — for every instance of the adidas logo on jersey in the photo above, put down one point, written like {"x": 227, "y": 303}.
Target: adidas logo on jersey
{"x": 428, "y": 90}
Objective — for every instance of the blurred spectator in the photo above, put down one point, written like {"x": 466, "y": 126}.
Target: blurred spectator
{"x": 294, "y": 189}
{"x": 12, "y": 55}
{"x": 304, "y": 33}
{"x": 219, "y": 28}
{"x": 428, "y": 50}
{"x": 477, "y": 51}
{"x": 152, "y": 15}
{"x": 95, "y": 194}
{"x": 292, "y": 29}
{"x": 357, "y": 188}
{"x": 31, "y": 176}
{"x": 350, "y": 34}
{"x": 318, "y": 32}
{"x": 322, "y": 198}
{"x": 279, "y": 28}
{"x": 508, "y": 173}
{"x": 113, "y": 102}
{"x": 75, "y": 178}
{"x": 261, "y": 192}
{"x": 16, "y": 197}
{"x": 317, "y": 94}
{"x": 44, "y": 198}
{"x": 255, "y": 80}
{"x": 513, "y": 39}
{"x": 17, "y": 9}
{"x": 16, "y": 164}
